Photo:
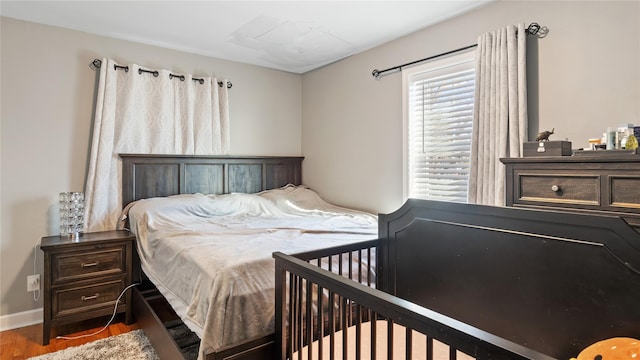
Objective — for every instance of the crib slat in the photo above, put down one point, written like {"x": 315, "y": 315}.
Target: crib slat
{"x": 389, "y": 339}
{"x": 294, "y": 314}
{"x": 291, "y": 326}
{"x": 453, "y": 353}
{"x": 308, "y": 325}
{"x": 350, "y": 263}
{"x": 360, "y": 266}
{"x": 300, "y": 330}
{"x": 409, "y": 344}
{"x": 369, "y": 267}
{"x": 345, "y": 338}
{"x": 374, "y": 348}
{"x": 332, "y": 326}
{"x": 320, "y": 322}
{"x": 358, "y": 333}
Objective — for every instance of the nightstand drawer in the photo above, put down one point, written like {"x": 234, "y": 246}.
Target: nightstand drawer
{"x": 85, "y": 264}
{"x": 563, "y": 189}
{"x": 74, "y": 300}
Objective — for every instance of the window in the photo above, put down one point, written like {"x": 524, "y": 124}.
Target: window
{"x": 438, "y": 114}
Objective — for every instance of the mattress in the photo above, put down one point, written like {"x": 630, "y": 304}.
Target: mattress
{"x": 419, "y": 347}
{"x": 210, "y": 255}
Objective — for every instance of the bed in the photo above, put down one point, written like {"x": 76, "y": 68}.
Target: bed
{"x": 206, "y": 228}
{"x": 458, "y": 281}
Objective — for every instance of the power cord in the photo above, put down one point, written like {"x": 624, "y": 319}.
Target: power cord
{"x": 115, "y": 310}
{"x": 36, "y": 293}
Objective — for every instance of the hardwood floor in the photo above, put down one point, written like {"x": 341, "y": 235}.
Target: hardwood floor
{"x": 23, "y": 343}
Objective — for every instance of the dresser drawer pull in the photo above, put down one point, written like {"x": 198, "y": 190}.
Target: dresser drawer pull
{"x": 555, "y": 188}
{"x": 87, "y": 298}
{"x": 86, "y": 265}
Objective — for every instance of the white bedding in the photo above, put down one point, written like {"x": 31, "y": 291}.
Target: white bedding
{"x": 210, "y": 255}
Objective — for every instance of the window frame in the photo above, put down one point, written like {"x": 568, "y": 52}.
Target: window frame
{"x": 431, "y": 66}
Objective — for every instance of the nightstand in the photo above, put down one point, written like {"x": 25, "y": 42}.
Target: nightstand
{"x": 84, "y": 276}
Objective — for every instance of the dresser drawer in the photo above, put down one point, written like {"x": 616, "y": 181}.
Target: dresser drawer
{"x": 625, "y": 192}
{"x": 600, "y": 184}
{"x": 561, "y": 189}
{"x": 78, "y": 265}
{"x": 81, "y": 299}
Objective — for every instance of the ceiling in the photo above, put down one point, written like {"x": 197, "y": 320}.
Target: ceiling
{"x": 294, "y": 36}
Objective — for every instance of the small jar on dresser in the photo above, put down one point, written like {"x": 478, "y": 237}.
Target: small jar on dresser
{"x": 83, "y": 277}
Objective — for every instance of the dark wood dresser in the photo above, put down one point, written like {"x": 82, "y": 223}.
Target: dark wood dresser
{"x": 600, "y": 184}
{"x": 83, "y": 277}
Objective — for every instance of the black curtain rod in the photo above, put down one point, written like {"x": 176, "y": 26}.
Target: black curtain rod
{"x": 97, "y": 63}
{"x": 532, "y": 29}
{"x": 377, "y": 73}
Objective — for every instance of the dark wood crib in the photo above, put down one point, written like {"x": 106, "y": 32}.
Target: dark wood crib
{"x": 459, "y": 280}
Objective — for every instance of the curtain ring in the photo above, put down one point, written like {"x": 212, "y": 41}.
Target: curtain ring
{"x": 125, "y": 68}
{"x": 155, "y": 73}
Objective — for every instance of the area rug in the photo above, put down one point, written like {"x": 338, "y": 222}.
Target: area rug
{"x": 133, "y": 345}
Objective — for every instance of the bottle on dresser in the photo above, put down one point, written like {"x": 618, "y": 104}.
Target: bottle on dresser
{"x": 625, "y": 138}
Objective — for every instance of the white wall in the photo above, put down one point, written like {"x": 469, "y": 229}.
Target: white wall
{"x": 46, "y": 116}
{"x": 584, "y": 76}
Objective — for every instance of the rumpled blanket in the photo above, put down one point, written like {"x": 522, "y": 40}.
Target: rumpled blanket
{"x": 211, "y": 255}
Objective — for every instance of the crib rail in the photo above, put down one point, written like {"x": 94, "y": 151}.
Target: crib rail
{"x": 355, "y": 261}
{"x": 329, "y": 312}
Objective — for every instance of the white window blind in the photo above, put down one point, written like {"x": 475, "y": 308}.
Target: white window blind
{"x": 439, "y": 113}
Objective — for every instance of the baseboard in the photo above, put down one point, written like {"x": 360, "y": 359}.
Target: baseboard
{"x": 21, "y": 319}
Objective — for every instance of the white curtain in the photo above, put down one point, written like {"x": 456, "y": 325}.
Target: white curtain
{"x": 500, "y": 121}
{"x": 137, "y": 112}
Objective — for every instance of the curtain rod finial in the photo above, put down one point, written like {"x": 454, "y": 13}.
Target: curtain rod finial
{"x": 536, "y": 29}
{"x": 376, "y": 73}
{"x": 95, "y": 64}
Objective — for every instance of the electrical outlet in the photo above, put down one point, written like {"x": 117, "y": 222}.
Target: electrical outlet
{"x": 33, "y": 282}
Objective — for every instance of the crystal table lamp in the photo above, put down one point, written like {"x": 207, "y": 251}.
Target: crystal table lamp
{"x": 71, "y": 214}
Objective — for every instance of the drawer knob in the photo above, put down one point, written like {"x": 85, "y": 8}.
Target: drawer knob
{"x": 555, "y": 188}
{"x": 87, "y": 298}
{"x": 86, "y": 265}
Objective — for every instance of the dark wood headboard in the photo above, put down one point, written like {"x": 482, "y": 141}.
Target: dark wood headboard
{"x": 551, "y": 281}
{"x": 145, "y": 176}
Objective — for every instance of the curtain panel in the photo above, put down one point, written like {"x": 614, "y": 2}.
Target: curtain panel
{"x": 137, "y": 112}
{"x": 500, "y": 121}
